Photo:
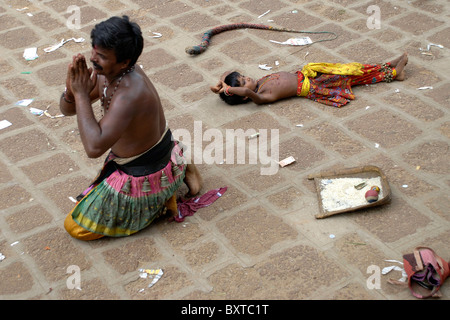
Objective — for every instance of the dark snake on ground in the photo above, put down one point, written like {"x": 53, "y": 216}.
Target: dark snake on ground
{"x": 206, "y": 39}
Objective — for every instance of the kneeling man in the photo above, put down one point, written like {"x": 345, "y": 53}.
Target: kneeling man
{"x": 144, "y": 166}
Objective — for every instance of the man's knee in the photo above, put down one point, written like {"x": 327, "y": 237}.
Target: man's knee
{"x": 79, "y": 232}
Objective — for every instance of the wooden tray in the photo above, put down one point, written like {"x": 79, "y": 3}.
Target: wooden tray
{"x": 365, "y": 172}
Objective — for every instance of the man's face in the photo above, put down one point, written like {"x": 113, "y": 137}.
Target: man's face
{"x": 104, "y": 61}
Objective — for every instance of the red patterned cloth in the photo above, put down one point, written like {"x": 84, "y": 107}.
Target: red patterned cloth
{"x": 190, "y": 206}
{"x": 336, "y": 90}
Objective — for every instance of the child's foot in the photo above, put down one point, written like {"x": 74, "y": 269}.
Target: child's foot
{"x": 400, "y": 67}
{"x": 193, "y": 180}
{"x": 396, "y": 61}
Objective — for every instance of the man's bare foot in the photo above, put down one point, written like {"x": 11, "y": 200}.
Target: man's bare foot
{"x": 193, "y": 180}
{"x": 400, "y": 67}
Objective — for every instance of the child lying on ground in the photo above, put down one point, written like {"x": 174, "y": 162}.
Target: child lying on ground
{"x": 327, "y": 83}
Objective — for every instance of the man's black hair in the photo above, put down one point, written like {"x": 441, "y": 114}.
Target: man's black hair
{"x": 232, "y": 80}
{"x": 120, "y": 35}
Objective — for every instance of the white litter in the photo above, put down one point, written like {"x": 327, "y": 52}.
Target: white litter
{"x": 394, "y": 261}
{"x": 14, "y": 243}
{"x": 61, "y": 43}
{"x": 2, "y": 257}
{"x": 37, "y": 112}
{"x": 386, "y": 270}
{"x": 156, "y": 274}
{"x": 30, "y": 54}
{"x": 264, "y": 14}
{"x": 5, "y": 124}
{"x": 24, "y": 102}
{"x": 377, "y": 145}
{"x": 53, "y": 117}
{"x": 434, "y": 45}
{"x": 156, "y": 35}
{"x": 424, "y": 88}
{"x": 295, "y": 41}
{"x": 299, "y": 125}
{"x": 287, "y": 161}
{"x": 264, "y": 67}
{"x": 73, "y": 199}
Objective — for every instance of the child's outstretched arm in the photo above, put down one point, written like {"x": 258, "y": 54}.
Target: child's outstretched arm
{"x": 257, "y": 98}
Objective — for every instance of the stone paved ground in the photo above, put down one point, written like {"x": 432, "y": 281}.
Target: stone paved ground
{"x": 261, "y": 240}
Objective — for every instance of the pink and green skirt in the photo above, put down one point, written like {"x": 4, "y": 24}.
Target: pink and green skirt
{"x": 121, "y": 204}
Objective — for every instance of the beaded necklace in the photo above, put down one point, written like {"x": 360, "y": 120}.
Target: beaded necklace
{"x": 105, "y": 88}
{"x": 267, "y": 79}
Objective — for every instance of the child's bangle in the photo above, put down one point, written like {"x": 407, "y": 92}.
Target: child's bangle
{"x": 227, "y": 93}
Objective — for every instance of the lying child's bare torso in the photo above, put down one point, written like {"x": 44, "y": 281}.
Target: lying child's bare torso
{"x": 279, "y": 85}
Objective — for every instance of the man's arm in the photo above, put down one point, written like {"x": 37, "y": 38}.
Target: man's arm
{"x": 98, "y": 137}
{"x": 67, "y": 103}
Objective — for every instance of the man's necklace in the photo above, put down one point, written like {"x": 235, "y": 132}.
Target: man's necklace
{"x": 105, "y": 88}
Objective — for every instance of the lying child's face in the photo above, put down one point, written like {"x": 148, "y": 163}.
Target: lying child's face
{"x": 247, "y": 82}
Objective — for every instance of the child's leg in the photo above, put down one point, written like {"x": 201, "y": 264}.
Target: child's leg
{"x": 400, "y": 64}
{"x": 374, "y": 73}
{"x": 385, "y": 72}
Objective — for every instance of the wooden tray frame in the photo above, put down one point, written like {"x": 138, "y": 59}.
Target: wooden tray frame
{"x": 368, "y": 171}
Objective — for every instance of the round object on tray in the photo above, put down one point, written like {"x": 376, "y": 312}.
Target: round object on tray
{"x": 371, "y": 196}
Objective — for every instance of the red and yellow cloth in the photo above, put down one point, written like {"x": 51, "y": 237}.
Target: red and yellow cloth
{"x": 333, "y": 85}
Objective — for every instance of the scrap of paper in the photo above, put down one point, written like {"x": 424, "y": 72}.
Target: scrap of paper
{"x": 264, "y": 67}
{"x": 286, "y": 161}
{"x": 4, "y": 124}
{"x": 61, "y": 43}
{"x": 30, "y": 54}
{"x": 386, "y": 270}
{"x": 24, "y": 102}
{"x": 295, "y": 41}
{"x": 36, "y": 111}
{"x": 425, "y": 88}
{"x": 434, "y": 45}
{"x": 263, "y": 14}
{"x": 154, "y": 274}
{"x": 156, "y": 35}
